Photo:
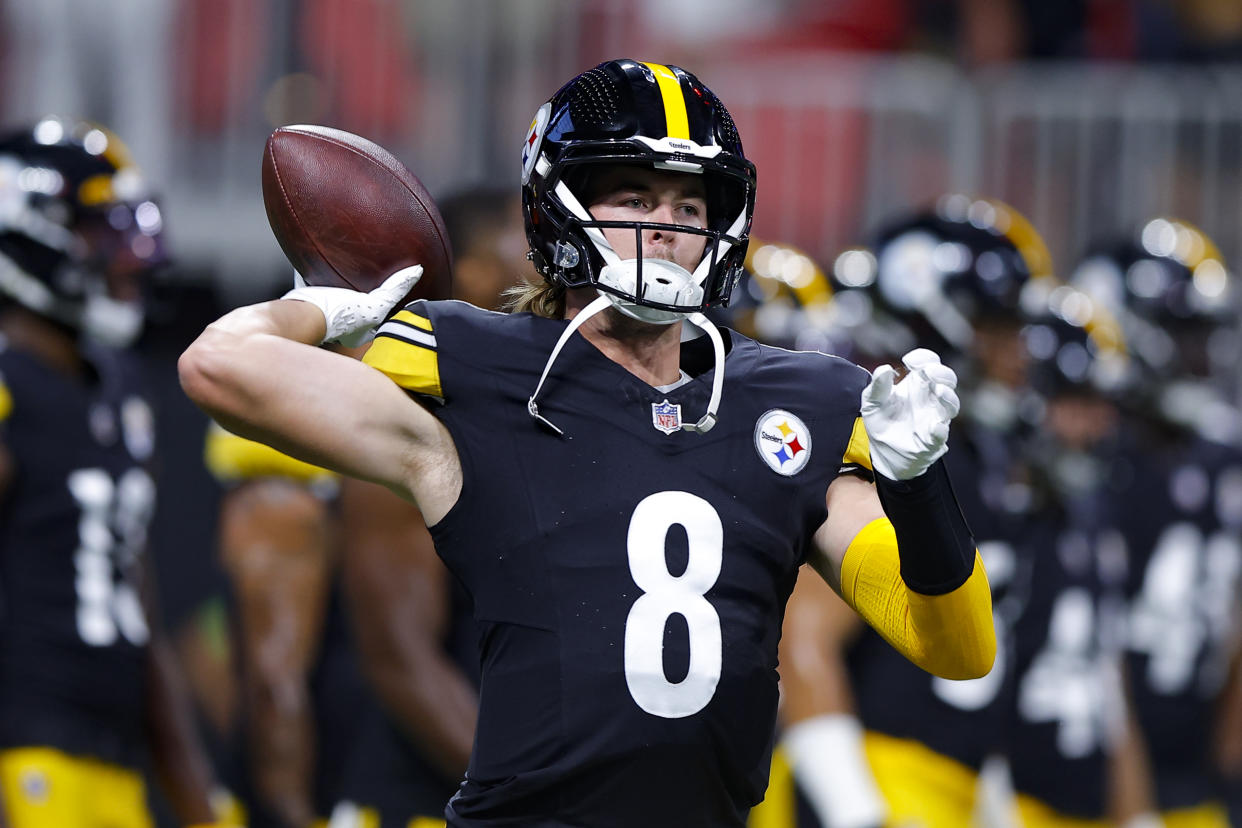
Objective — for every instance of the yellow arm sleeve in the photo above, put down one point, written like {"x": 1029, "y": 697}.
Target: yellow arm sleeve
{"x": 949, "y": 635}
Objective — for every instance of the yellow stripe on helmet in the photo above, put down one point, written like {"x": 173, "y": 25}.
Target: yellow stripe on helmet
{"x": 1023, "y": 235}
{"x": 674, "y": 102}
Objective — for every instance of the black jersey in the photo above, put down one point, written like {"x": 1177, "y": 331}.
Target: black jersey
{"x": 1066, "y": 699}
{"x": 1182, "y": 533}
{"x": 72, "y": 628}
{"x": 630, "y": 577}
{"x": 959, "y": 719}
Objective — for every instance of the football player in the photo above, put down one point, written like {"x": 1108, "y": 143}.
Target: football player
{"x": 318, "y": 742}
{"x": 952, "y": 277}
{"x": 89, "y": 692}
{"x": 296, "y": 672}
{"x": 1073, "y": 755}
{"x": 627, "y": 512}
{"x": 418, "y": 646}
{"x": 1174, "y": 297}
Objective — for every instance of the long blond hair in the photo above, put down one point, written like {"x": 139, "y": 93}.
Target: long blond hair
{"x": 542, "y": 298}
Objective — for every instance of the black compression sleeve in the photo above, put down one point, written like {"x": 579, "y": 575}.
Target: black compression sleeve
{"x": 934, "y": 543}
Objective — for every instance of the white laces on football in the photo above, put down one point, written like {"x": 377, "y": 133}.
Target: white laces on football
{"x": 600, "y": 303}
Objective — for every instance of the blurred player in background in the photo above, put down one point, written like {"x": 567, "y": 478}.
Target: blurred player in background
{"x": 416, "y": 638}
{"x": 300, "y": 690}
{"x": 950, "y": 278}
{"x": 1073, "y": 755}
{"x": 1182, "y": 491}
{"x": 305, "y": 550}
{"x": 485, "y": 227}
{"x": 89, "y": 691}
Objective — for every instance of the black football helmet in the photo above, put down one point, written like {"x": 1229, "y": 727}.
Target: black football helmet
{"x": 78, "y": 228}
{"x": 1170, "y": 288}
{"x": 1171, "y": 291}
{"x": 1074, "y": 346}
{"x": 963, "y": 263}
{"x": 654, "y": 115}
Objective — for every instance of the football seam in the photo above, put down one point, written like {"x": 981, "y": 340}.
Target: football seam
{"x": 284, "y": 194}
{"x": 444, "y": 247}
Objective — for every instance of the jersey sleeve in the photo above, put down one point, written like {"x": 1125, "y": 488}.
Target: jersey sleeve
{"x": 845, "y": 382}
{"x": 405, "y": 351}
{"x": 857, "y": 457}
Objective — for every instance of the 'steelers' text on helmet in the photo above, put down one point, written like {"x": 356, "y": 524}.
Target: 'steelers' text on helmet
{"x": 78, "y": 228}
{"x": 655, "y": 115}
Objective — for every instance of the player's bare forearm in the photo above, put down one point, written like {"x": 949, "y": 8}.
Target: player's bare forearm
{"x": 180, "y": 764}
{"x": 818, "y": 628}
{"x": 1229, "y": 724}
{"x": 274, "y": 544}
{"x": 1131, "y": 785}
{"x": 399, "y": 597}
{"x": 255, "y": 374}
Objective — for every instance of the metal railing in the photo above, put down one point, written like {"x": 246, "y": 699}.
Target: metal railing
{"x": 842, "y": 140}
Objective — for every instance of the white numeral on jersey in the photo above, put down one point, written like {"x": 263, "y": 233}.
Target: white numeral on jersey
{"x": 107, "y": 605}
{"x": 1185, "y": 605}
{"x": 1069, "y": 681}
{"x": 665, "y": 594}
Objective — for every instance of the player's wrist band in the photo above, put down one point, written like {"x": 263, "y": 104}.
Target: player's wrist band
{"x": 828, "y": 760}
{"x": 936, "y": 547}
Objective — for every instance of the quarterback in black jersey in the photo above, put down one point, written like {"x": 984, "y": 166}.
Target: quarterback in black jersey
{"x": 88, "y": 689}
{"x": 627, "y": 512}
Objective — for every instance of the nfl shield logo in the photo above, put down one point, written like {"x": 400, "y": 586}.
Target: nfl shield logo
{"x": 666, "y": 417}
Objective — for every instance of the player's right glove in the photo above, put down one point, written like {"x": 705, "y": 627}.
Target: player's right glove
{"x": 907, "y": 421}
{"x": 350, "y": 316}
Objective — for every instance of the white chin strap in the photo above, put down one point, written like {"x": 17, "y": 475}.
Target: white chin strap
{"x": 600, "y": 303}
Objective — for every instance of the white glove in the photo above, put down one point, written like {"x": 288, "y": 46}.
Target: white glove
{"x": 351, "y": 316}
{"x": 907, "y": 422}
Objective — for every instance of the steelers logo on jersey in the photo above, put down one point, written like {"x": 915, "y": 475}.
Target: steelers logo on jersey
{"x": 783, "y": 441}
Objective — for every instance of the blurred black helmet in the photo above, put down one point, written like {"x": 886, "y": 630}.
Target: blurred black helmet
{"x": 1074, "y": 346}
{"x": 963, "y": 263}
{"x": 646, "y": 114}
{"x": 1172, "y": 293}
{"x": 78, "y": 228}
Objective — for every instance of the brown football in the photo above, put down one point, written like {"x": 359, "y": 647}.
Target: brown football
{"x": 347, "y": 213}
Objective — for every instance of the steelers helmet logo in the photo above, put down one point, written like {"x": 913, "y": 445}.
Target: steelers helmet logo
{"x": 534, "y": 139}
{"x": 783, "y": 441}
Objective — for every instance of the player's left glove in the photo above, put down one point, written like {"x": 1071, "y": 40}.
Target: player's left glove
{"x": 350, "y": 316}
{"x": 907, "y": 421}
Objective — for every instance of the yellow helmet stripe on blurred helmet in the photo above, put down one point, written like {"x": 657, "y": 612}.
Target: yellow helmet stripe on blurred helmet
{"x": 1015, "y": 227}
{"x": 675, "y": 118}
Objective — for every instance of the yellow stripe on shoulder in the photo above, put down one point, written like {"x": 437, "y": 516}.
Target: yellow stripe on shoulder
{"x": 412, "y": 366}
{"x": 232, "y": 459}
{"x": 411, "y": 318}
{"x": 858, "y": 451}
